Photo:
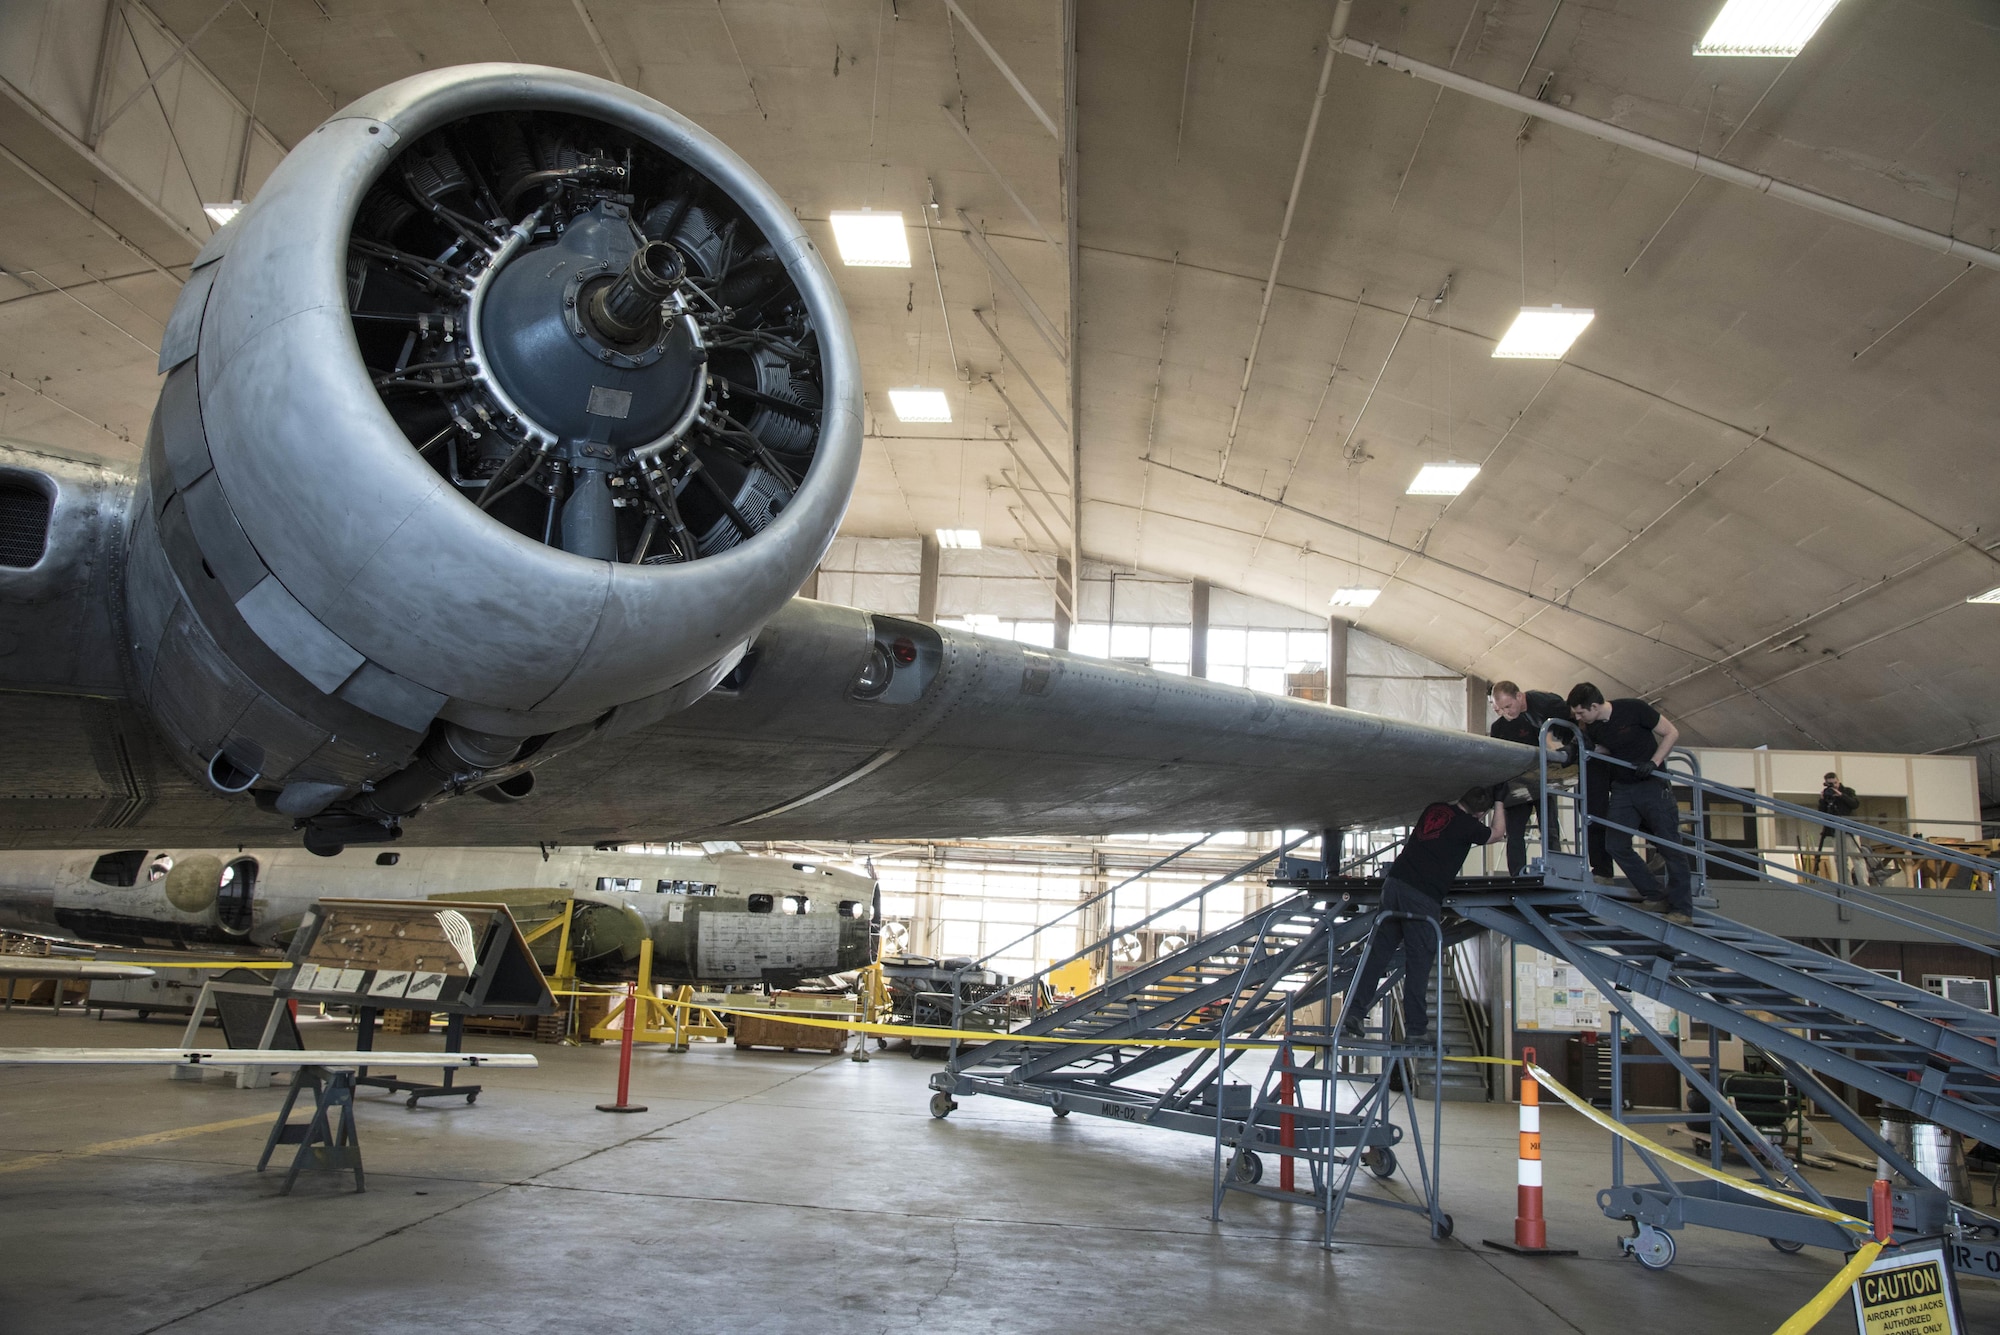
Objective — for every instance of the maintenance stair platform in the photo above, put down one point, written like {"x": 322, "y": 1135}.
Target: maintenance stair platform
{"x": 1158, "y": 1046}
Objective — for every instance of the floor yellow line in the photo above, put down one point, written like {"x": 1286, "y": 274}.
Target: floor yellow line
{"x": 134, "y": 1142}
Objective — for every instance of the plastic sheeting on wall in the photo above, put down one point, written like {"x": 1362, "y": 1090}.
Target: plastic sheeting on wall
{"x": 1438, "y": 701}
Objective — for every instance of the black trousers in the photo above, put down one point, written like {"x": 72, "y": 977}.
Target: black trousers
{"x": 1417, "y": 936}
{"x": 1648, "y": 805}
{"x": 1597, "y": 801}
{"x": 1517, "y": 835}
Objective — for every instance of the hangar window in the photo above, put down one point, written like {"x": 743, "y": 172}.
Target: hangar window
{"x": 853, "y": 908}
{"x": 24, "y": 525}
{"x": 671, "y": 888}
{"x": 760, "y": 903}
{"x": 119, "y": 868}
{"x": 387, "y": 859}
{"x": 704, "y": 888}
{"x": 613, "y": 885}
{"x": 797, "y": 905}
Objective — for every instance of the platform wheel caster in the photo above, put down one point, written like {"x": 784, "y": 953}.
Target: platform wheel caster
{"x": 1247, "y": 1167}
{"x": 1442, "y": 1229}
{"x": 1651, "y": 1247}
{"x": 1381, "y": 1161}
{"x": 411, "y": 1103}
{"x": 1786, "y": 1245}
{"x": 943, "y": 1105}
{"x": 471, "y": 1099}
{"x": 1060, "y": 1112}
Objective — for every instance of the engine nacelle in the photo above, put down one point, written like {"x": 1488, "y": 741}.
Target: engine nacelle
{"x": 505, "y": 416}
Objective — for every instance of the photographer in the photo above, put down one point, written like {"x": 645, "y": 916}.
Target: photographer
{"x": 1837, "y": 799}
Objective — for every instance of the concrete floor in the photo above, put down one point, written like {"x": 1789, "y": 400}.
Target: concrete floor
{"x": 775, "y": 1192}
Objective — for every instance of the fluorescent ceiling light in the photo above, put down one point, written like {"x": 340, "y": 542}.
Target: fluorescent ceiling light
{"x": 1355, "y": 597}
{"x": 1764, "y": 27}
{"x": 958, "y": 537}
{"x": 220, "y": 214}
{"x": 868, "y": 239}
{"x": 1443, "y": 479}
{"x": 1543, "y": 331}
{"x": 1990, "y": 596}
{"x": 920, "y": 405}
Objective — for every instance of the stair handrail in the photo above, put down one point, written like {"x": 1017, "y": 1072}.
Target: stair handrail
{"x": 1083, "y": 904}
{"x": 960, "y": 1009}
{"x": 1703, "y": 849}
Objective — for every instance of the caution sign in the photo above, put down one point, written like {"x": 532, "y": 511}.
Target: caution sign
{"x": 1907, "y": 1292}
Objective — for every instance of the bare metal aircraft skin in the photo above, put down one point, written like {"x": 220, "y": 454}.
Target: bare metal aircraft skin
{"x": 495, "y": 438}
{"x": 713, "y": 918}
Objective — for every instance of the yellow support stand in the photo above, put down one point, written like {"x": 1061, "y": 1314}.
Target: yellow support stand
{"x": 695, "y": 1021}
{"x": 669, "y": 1020}
{"x": 565, "y": 979}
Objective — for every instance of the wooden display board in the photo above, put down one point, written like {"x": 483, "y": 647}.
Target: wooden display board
{"x": 458, "y": 958}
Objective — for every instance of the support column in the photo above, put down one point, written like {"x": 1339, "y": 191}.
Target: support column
{"x": 1198, "y": 629}
{"x": 1065, "y": 599}
{"x": 1475, "y": 704}
{"x": 1336, "y": 661}
{"x": 927, "y": 923}
{"x": 927, "y": 579}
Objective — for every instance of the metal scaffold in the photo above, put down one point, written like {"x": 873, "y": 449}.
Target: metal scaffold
{"x": 1157, "y": 1046}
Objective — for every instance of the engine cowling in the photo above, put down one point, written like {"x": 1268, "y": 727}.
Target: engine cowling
{"x": 502, "y": 418}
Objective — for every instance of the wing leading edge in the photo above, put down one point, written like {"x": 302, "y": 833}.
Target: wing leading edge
{"x": 1003, "y": 739}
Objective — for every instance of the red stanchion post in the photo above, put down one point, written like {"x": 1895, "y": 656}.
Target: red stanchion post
{"x": 1288, "y": 1136}
{"x": 1531, "y": 1231}
{"x": 1881, "y": 1210}
{"x": 625, "y": 1104}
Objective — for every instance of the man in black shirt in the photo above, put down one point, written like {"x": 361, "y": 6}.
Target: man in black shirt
{"x": 1837, "y": 799}
{"x": 1522, "y": 714}
{"x": 1641, "y": 799}
{"x": 1416, "y": 886}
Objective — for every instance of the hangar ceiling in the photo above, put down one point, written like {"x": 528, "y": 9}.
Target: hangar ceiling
{"x": 1756, "y": 490}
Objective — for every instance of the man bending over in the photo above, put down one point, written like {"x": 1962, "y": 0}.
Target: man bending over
{"x": 1416, "y": 886}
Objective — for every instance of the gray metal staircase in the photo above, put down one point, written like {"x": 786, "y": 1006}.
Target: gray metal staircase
{"x": 1462, "y": 1023}
{"x": 1820, "y": 1019}
{"x": 1818, "y": 1016}
{"x": 1240, "y": 985}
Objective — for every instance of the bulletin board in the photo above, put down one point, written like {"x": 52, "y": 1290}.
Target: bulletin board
{"x": 1551, "y": 993}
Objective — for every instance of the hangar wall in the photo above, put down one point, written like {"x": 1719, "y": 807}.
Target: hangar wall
{"x": 1143, "y": 617}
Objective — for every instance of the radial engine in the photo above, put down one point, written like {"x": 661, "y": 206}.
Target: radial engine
{"x": 501, "y": 420}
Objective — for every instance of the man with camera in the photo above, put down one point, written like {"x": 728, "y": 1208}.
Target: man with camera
{"x": 1837, "y": 799}
{"x": 1641, "y": 799}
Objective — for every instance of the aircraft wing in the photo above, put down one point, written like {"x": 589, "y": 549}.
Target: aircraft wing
{"x": 1002, "y": 739}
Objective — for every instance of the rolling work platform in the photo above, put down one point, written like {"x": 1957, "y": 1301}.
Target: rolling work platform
{"x": 1820, "y": 1020}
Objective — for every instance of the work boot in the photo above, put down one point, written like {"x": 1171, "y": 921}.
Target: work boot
{"x": 1649, "y": 905}
{"x": 1682, "y": 919}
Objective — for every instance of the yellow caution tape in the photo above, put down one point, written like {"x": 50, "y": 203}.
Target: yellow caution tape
{"x": 1693, "y": 1165}
{"x": 1836, "y": 1288}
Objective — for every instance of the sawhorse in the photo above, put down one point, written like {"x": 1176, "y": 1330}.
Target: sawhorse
{"x": 320, "y": 1145}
